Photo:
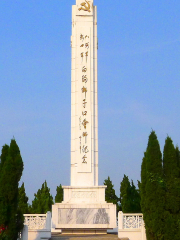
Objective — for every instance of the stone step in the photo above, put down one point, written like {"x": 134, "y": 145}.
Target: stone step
{"x": 88, "y": 237}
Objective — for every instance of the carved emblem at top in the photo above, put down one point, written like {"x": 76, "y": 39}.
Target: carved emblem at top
{"x": 85, "y": 6}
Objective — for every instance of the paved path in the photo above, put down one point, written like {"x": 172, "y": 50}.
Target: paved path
{"x": 87, "y": 237}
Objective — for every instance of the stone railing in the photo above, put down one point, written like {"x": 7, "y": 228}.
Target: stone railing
{"x": 131, "y": 226}
{"x": 131, "y": 221}
{"x": 35, "y": 221}
{"x": 37, "y": 226}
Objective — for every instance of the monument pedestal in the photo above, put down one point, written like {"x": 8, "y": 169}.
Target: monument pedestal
{"x": 84, "y": 211}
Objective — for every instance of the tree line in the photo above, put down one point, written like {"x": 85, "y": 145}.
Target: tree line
{"x": 160, "y": 190}
{"x": 128, "y": 201}
{"x": 43, "y": 200}
{"x": 14, "y": 201}
{"x": 157, "y": 195}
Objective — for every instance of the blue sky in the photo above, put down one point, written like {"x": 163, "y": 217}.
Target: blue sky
{"x": 138, "y": 81}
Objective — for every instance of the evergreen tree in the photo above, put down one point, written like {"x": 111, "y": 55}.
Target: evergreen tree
{"x": 129, "y": 197}
{"x": 142, "y": 185}
{"x": 59, "y": 194}
{"x": 11, "y": 168}
{"x": 110, "y": 195}
{"x": 43, "y": 200}
{"x": 125, "y": 195}
{"x": 135, "y": 199}
{"x": 3, "y": 156}
{"x": 3, "y": 202}
{"x": 153, "y": 187}
{"x": 23, "y": 200}
{"x": 170, "y": 163}
{"x": 172, "y": 196}
{"x": 178, "y": 160}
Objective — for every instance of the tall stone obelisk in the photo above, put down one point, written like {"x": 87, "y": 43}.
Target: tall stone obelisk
{"x": 84, "y": 103}
{"x": 84, "y": 209}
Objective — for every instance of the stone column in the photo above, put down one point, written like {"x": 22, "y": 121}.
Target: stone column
{"x": 84, "y": 100}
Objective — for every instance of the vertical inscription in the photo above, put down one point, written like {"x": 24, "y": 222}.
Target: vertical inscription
{"x": 84, "y": 47}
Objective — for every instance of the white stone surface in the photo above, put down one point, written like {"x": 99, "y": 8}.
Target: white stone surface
{"x": 84, "y": 216}
{"x": 37, "y": 226}
{"x": 84, "y": 194}
{"x": 84, "y": 208}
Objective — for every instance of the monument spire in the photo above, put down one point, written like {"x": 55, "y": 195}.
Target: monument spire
{"x": 84, "y": 209}
{"x": 84, "y": 112}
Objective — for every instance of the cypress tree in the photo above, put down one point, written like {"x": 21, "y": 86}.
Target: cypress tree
{"x": 59, "y": 194}
{"x": 152, "y": 190}
{"x": 178, "y": 186}
{"x": 135, "y": 199}
{"x": 10, "y": 174}
{"x": 4, "y": 153}
{"x": 3, "y": 202}
{"x": 178, "y": 160}
{"x": 172, "y": 195}
{"x": 129, "y": 197}
{"x": 124, "y": 195}
{"x": 110, "y": 195}
{"x": 43, "y": 200}
{"x": 23, "y": 200}
{"x": 142, "y": 186}
{"x": 170, "y": 163}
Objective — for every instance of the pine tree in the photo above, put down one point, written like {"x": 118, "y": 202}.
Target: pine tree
{"x": 23, "y": 200}
{"x": 43, "y": 200}
{"x": 129, "y": 197}
{"x": 110, "y": 195}
{"x": 125, "y": 194}
{"x": 152, "y": 190}
{"x": 172, "y": 195}
{"x": 10, "y": 173}
{"x": 135, "y": 199}
{"x": 59, "y": 194}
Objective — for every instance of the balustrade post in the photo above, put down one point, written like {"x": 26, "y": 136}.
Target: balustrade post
{"x": 48, "y": 220}
{"x": 24, "y": 233}
{"x": 120, "y": 220}
{"x": 143, "y": 231}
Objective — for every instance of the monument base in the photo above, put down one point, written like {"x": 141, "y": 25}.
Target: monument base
{"x": 84, "y": 211}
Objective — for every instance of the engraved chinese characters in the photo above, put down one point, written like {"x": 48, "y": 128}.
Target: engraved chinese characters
{"x": 84, "y": 122}
{"x": 84, "y": 194}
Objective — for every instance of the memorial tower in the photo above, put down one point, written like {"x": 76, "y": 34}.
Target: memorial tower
{"x": 84, "y": 209}
{"x": 84, "y": 119}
